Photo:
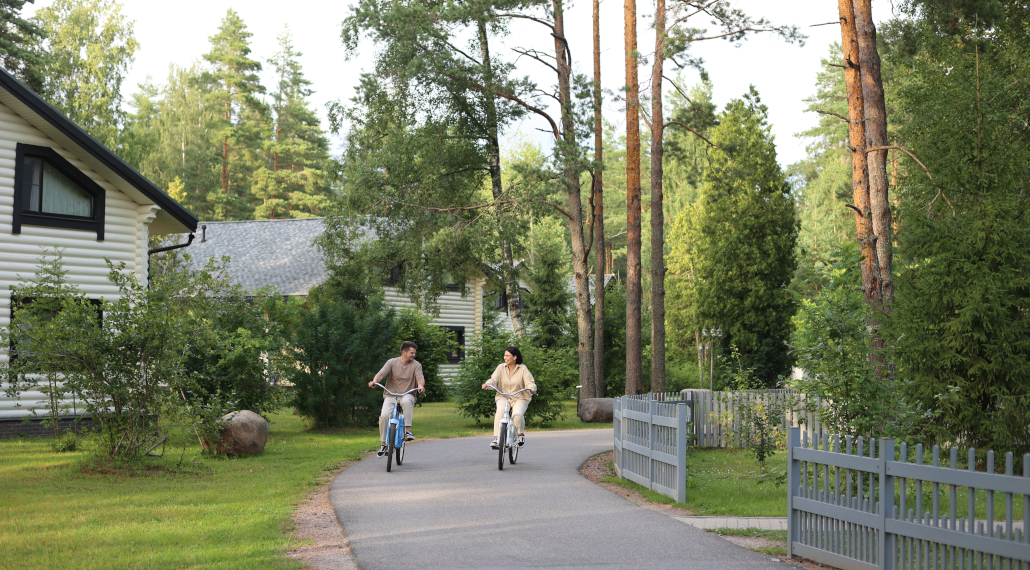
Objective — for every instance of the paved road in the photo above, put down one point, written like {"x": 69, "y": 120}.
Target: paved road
{"x": 448, "y": 507}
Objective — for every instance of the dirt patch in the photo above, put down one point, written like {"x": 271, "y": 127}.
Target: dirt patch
{"x": 599, "y": 466}
{"x": 314, "y": 522}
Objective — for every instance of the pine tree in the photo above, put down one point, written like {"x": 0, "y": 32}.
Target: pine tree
{"x": 293, "y": 181}
{"x": 242, "y": 124}
{"x": 19, "y": 43}
{"x": 89, "y": 47}
{"x": 740, "y": 243}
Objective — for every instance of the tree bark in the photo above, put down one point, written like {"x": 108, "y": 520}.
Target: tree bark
{"x": 634, "y": 357}
{"x": 598, "y": 192}
{"x": 508, "y": 274}
{"x": 856, "y": 137}
{"x": 657, "y": 211}
{"x": 575, "y": 204}
{"x": 875, "y": 110}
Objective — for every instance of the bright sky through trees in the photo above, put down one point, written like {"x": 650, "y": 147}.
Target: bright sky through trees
{"x": 180, "y": 34}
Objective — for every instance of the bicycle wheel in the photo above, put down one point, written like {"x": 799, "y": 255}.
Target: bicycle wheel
{"x": 501, "y": 441}
{"x": 513, "y": 452}
{"x": 400, "y": 454}
{"x": 391, "y": 436}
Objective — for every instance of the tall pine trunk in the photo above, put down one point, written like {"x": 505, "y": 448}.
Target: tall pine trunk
{"x": 511, "y": 285}
{"x": 657, "y": 211}
{"x": 598, "y": 191}
{"x": 634, "y": 357}
{"x": 575, "y": 204}
{"x": 856, "y": 137}
{"x": 875, "y": 110}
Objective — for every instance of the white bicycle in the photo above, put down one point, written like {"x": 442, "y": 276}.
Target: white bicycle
{"x": 507, "y": 433}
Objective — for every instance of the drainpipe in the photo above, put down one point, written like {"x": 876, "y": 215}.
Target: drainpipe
{"x": 171, "y": 247}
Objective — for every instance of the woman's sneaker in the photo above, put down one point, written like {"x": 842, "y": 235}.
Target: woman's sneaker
{"x": 408, "y": 436}
{"x": 382, "y": 451}
{"x": 493, "y": 444}
{"x": 522, "y": 440}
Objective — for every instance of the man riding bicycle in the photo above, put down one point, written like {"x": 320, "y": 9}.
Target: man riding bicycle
{"x": 404, "y": 373}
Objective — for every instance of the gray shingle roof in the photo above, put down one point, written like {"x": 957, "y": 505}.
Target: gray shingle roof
{"x": 280, "y": 253}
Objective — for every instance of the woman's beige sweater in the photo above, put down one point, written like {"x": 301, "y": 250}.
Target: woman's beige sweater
{"x": 511, "y": 383}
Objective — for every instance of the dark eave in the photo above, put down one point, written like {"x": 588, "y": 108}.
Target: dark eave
{"x": 109, "y": 159}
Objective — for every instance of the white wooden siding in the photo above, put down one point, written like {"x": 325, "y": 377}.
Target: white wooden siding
{"x": 125, "y": 237}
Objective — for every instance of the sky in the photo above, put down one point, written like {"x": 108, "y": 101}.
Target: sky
{"x": 784, "y": 74}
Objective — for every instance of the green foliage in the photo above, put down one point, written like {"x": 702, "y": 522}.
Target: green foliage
{"x": 960, "y": 323}
{"x": 88, "y": 48}
{"x": 733, "y": 251}
{"x": 124, "y": 359}
{"x": 294, "y": 183}
{"x": 549, "y": 303}
{"x": 339, "y": 345}
{"x": 434, "y": 345}
{"x": 19, "y": 39}
{"x": 554, "y": 371}
{"x": 233, "y": 87}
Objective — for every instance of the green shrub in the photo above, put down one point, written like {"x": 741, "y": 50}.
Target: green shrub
{"x": 339, "y": 345}
{"x": 552, "y": 369}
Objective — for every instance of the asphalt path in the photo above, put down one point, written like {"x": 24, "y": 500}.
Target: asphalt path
{"x": 449, "y": 507}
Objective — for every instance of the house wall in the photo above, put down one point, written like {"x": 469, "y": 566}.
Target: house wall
{"x": 454, "y": 310}
{"x": 124, "y": 232}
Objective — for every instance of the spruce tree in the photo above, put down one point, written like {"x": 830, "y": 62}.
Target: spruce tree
{"x": 549, "y": 302}
{"x": 961, "y": 326}
{"x": 740, "y": 243}
{"x": 242, "y": 123}
{"x": 293, "y": 181}
{"x": 19, "y": 43}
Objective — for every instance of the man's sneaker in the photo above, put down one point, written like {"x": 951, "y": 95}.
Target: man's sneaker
{"x": 382, "y": 451}
{"x": 408, "y": 436}
{"x": 522, "y": 440}
{"x": 493, "y": 444}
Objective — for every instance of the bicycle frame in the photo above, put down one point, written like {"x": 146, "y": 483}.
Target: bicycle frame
{"x": 396, "y": 427}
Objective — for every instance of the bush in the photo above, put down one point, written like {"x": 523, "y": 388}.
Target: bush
{"x": 434, "y": 345}
{"x": 551, "y": 369}
{"x": 339, "y": 345}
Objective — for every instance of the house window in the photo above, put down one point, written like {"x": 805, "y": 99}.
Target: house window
{"x": 24, "y": 349}
{"x": 458, "y": 335}
{"x": 49, "y": 191}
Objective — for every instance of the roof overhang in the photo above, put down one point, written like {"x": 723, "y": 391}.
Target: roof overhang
{"x": 172, "y": 218}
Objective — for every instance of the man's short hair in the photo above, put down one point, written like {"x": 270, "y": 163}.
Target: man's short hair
{"x": 408, "y": 344}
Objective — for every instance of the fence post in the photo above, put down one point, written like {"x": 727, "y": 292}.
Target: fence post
{"x": 793, "y": 482}
{"x": 886, "y": 552}
{"x": 681, "y": 452}
{"x": 652, "y": 409}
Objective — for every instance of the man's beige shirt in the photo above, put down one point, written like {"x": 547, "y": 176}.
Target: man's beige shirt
{"x": 402, "y": 377}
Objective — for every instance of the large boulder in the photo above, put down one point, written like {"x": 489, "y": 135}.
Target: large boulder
{"x": 596, "y": 410}
{"x": 244, "y": 432}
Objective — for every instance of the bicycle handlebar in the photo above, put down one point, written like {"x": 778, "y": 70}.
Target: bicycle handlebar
{"x": 395, "y": 394}
{"x": 510, "y": 395}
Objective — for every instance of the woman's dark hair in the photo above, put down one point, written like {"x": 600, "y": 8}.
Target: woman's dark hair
{"x": 514, "y": 352}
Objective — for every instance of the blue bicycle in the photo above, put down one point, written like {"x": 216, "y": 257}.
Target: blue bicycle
{"x": 395, "y": 430}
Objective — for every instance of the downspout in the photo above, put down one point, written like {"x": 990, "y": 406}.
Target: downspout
{"x": 171, "y": 247}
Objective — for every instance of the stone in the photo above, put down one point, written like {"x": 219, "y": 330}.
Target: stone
{"x": 596, "y": 410}
{"x": 245, "y": 432}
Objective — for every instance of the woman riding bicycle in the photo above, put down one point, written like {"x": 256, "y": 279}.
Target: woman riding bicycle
{"x": 510, "y": 377}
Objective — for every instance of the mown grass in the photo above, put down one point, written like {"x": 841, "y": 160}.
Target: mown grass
{"x": 205, "y": 513}
{"x": 778, "y": 536}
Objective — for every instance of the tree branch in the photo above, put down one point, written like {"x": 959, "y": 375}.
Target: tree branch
{"x": 702, "y": 137}
{"x": 940, "y": 192}
{"x": 838, "y": 115}
{"x": 523, "y": 16}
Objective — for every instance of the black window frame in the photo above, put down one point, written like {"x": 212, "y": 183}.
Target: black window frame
{"x": 25, "y": 217}
{"x": 459, "y": 333}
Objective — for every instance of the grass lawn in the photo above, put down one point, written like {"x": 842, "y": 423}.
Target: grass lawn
{"x": 723, "y": 482}
{"x": 210, "y": 513}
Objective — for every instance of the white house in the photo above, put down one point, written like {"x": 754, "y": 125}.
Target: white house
{"x": 61, "y": 188}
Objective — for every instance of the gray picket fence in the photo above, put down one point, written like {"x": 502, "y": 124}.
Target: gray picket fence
{"x": 652, "y": 432}
{"x": 717, "y": 415}
{"x": 852, "y": 507}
